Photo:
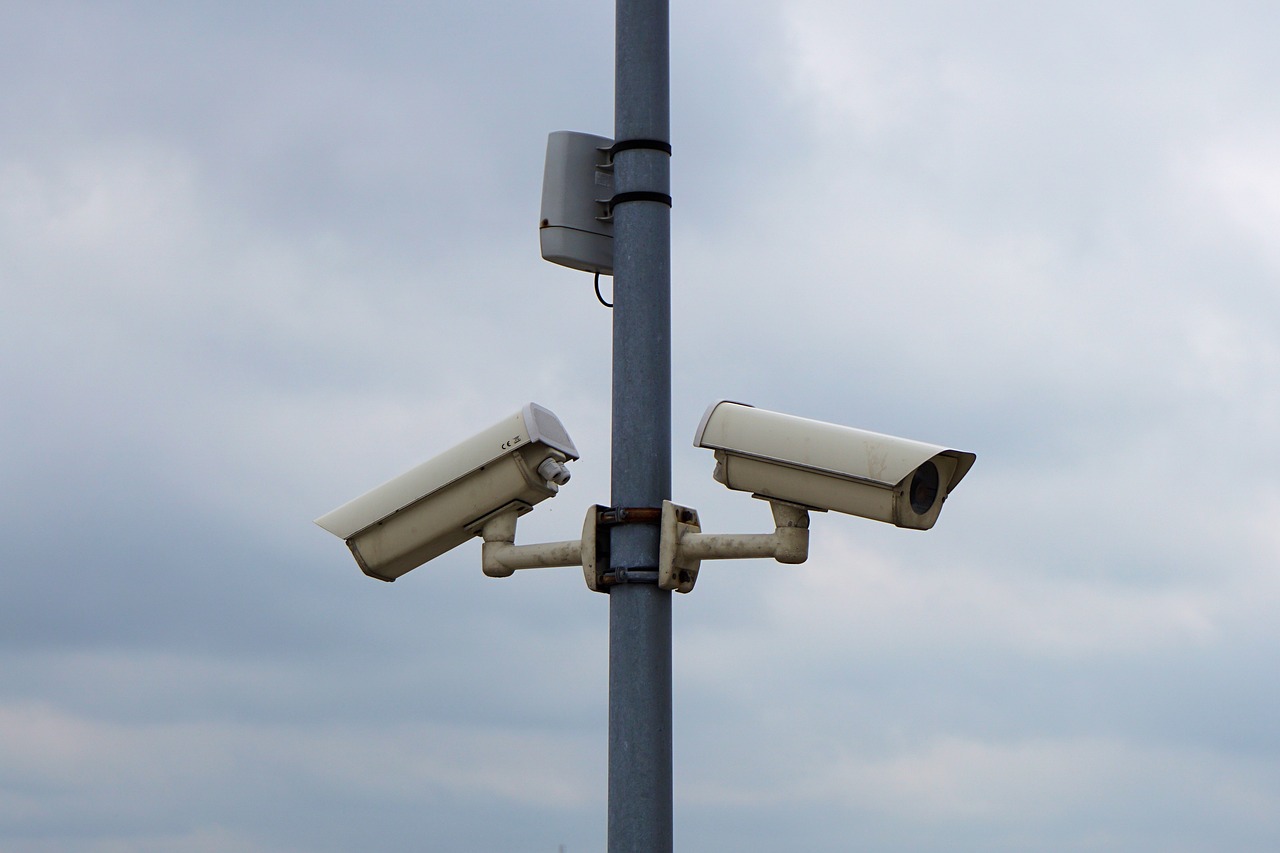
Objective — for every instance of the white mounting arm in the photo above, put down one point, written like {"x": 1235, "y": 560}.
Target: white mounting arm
{"x": 684, "y": 546}
{"x": 501, "y": 557}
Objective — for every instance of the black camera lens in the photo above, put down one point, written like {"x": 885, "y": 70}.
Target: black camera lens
{"x": 924, "y": 488}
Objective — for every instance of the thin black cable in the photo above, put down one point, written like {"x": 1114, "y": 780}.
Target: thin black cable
{"x": 598, "y": 296}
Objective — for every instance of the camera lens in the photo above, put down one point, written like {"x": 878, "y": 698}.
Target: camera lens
{"x": 924, "y": 488}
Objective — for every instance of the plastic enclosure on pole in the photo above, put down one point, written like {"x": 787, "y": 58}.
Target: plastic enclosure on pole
{"x": 576, "y": 229}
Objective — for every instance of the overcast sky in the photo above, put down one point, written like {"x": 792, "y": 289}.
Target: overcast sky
{"x": 257, "y": 258}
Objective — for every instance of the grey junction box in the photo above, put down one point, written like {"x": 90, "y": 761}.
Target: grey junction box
{"x": 576, "y": 229}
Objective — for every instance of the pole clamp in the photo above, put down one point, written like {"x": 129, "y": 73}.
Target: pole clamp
{"x": 634, "y": 195}
{"x": 615, "y": 515}
{"x": 599, "y": 574}
{"x": 642, "y": 144}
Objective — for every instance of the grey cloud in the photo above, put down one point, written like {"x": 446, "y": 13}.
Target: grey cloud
{"x": 257, "y": 259}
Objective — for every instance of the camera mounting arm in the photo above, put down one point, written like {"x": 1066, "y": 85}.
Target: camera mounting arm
{"x": 501, "y": 557}
{"x": 684, "y": 546}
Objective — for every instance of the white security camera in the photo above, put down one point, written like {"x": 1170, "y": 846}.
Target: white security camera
{"x": 829, "y": 467}
{"x": 445, "y": 501}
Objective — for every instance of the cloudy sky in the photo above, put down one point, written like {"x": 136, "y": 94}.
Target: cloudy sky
{"x": 256, "y": 258}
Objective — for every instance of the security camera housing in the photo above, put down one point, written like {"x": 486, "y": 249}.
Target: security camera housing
{"x": 511, "y": 466}
{"x": 830, "y": 467}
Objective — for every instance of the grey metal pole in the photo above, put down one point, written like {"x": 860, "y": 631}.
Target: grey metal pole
{"x": 640, "y": 791}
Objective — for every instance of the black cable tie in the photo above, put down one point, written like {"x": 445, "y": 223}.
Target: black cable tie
{"x": 647, "y": 144}
{"x": 636, "y": 195}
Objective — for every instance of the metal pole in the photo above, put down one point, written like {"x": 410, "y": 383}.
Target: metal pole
{"x": 640, "y": 792}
